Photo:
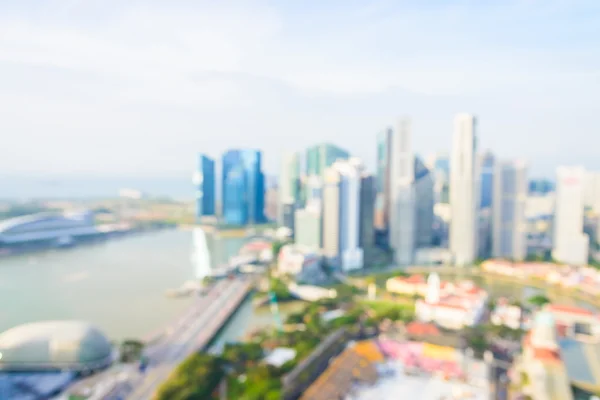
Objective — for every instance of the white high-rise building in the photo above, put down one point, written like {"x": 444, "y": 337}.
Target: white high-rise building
{"x": 341, "y": 211}
{"x": 412, "y": 197}
{"x": 571, "y": 244}
{"x": 509, "y": 234}
{"x": 464, "y": 191}
{"x": 402, "y": 190}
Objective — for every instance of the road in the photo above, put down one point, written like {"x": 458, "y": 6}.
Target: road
{"x": 190, "y": 333}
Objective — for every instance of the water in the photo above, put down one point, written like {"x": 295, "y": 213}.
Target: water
{"x": 118, "y": 285}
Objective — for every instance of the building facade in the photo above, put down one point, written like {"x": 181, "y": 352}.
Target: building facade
{"x": 464, "y": 191}
{"x": 205, "y": 180}
{"x": 289, "y": 182}
{"x": 368, "y": 192}
{"x": 402, "y": 209}
{"x": 322, "y": 156}
{"x": 509, "y": 233}
{"x": 571, "y": 244}
{"x": 487, "y": 161}
{"x": 307, "y": 227}
{"x": 382, "y": 202}
{"x": 341, "y": 211}
{"x": 243, "y": 187}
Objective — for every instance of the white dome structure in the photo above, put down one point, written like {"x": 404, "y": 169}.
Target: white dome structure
{"x": 54, "y": 345}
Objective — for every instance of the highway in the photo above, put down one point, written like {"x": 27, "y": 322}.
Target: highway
{"x": 190, "y": 333}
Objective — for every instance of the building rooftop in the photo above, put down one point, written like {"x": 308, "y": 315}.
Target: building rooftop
{"x": 51, "y": 345}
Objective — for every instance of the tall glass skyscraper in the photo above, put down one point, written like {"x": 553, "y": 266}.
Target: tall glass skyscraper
{"x": 243, "y": 187}
{"x": 204, "y": 179}
{"x": 382, "y": 202}
{"x": 487, "y": 180}
{"x": 322, "y": 156}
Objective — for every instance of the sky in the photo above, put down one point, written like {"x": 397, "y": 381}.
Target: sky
{"x": 120, "y": 88}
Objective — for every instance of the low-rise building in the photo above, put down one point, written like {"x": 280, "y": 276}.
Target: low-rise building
{"x": 409, "y": 286}
{"x": 452, "y": 306}
{"x": 301, "y": 262}
{"x": 507, "y": 314}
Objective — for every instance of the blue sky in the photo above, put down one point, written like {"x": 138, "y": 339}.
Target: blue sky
{"x": 137, "y": 88}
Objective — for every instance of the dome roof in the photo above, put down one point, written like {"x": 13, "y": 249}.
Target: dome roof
{"x": 54, "y": 345}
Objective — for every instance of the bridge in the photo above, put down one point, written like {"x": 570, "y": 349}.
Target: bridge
{"x": 189, "y": 334}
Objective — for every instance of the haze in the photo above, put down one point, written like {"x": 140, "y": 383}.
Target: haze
{"x": 136, "y": 88}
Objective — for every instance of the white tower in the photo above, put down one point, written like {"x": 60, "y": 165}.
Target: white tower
{"x": 571, "y": 244}
{"x": 433, "y": 289}
{"x": 464, "y": 191}
{"x": 402, "y": 189}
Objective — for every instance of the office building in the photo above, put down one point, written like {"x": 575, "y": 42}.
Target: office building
{"x": 341, "y": 214}
{"x": 368, "y": 192}
{"x": 205, "y": 179}
{"x": 382, "y": 202}
{"x": 272, "y": 205}
{"x": 571, "y": 244}
{"x": 540, "y": 187}
{"x": 288, "y": 218}
{"x": 592, "y": 192}
{"x": 322, "y": 156}
{"x": 424, "y": 203}
{"x": 402, "y": 207}
{"x": 487, "y": 179}
{"x": 439, "y": 167}
{"x": 289, "y": 182}
{"x": 243, "y": 187}
{"x": 307, "y": 227}
{"x": 464, "y": 191}
{"x": 509, "y": 237}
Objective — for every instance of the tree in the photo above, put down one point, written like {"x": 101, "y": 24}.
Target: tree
{"x": 130, "y": 350}
{"x": 276, "y": 247}
{"x": 196, "y": 378}
{"x": 538, "y": 300}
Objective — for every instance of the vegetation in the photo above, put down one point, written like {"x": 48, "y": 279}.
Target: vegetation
{"x": 130, "y": 350}
{"x": 280, "y": 289}
{"x": 538, "y": 300}
{"x": 240, "y": 365}
{"x": 277, "y": 245}
{"x": 196, "y": 378}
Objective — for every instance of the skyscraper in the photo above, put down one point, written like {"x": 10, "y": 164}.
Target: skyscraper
{"x": 367, "y": 208}
{"x": 322, "y": 156}
{"x": 382, "y": 202}
{"x": 307, "y": 227}
{"x": 402, "y": 192}
{"x": 571, "y": 244}
{"x": 289, "y": 182}
{"x": 204, "y": 179}
{"x": 341, "y": 212}
{"x": 487, "y": 179}
{"x": 243, "y": 187}
{"x": 464, "y": 191}
{"x": 424, "y": 203}
{"x": 509, "y": 235}
{"x": 440, "y": 170}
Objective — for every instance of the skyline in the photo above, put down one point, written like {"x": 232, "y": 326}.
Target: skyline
{"x": 138, "y": 89}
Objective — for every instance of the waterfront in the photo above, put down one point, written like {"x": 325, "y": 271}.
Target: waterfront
{"x": 118, "y": 285}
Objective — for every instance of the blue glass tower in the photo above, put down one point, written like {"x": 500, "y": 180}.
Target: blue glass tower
{"x": 243, "y": 187}
{"x": 204, "y": 179}
{"x": 487, "y": 180}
